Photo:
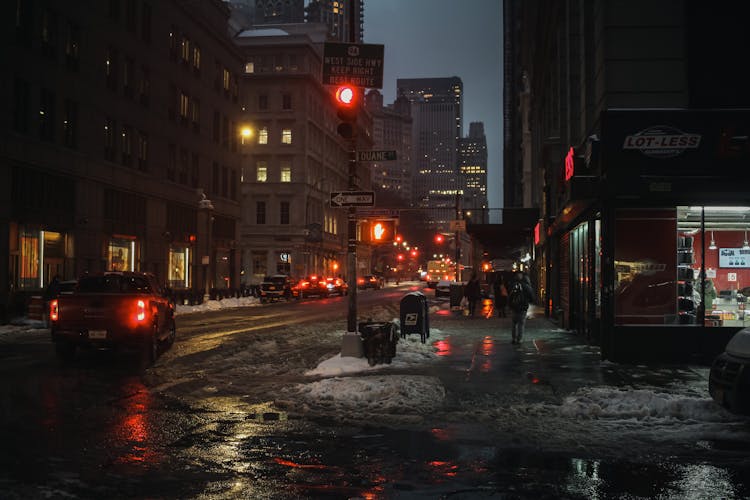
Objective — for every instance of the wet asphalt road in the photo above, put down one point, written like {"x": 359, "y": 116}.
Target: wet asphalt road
{"x": 102, "y": 428}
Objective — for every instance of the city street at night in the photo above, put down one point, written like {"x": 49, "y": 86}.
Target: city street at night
{"x": 253, "y": 402}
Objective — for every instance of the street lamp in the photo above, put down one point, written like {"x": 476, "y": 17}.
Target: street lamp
{"x": 205, "y": 206}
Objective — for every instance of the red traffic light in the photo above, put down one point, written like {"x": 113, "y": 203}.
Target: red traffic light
{"x": 345, "y": 95}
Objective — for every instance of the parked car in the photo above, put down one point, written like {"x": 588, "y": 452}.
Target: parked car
{"x": 729, "y": 379}
{"x": 114, "y": 309}
{"x": 276, "y": 287}
{"x": 312, "y": 286}
{"x": 370, "y": 281}
{"x": 337, "y": 286}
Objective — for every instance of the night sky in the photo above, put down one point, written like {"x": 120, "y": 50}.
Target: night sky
{"x": 443, "y": 38}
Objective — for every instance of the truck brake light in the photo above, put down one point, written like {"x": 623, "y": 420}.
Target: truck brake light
{"x": 53, "y": 311}
{"x": 140, "y": 310}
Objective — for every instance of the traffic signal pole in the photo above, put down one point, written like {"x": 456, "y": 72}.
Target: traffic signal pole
{"x": 351, "y": 318}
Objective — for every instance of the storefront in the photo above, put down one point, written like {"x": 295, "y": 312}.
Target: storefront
{"x": 658, "y": 261}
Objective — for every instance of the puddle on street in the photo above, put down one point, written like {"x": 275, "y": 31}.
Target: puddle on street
{"x": 380, "y": 463}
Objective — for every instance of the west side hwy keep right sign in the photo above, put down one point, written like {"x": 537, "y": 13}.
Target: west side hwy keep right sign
{"x": 358, "y": 64}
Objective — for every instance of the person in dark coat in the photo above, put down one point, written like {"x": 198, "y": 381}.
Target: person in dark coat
{"x": 520, "y": 296}
{"x": 473, "y": 293}
{"x": 501, "y": 296}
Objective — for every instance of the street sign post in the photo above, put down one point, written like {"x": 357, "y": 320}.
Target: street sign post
{"x": 358, "y": 64}
{"x": 376, "y": 156}
{"x": 353, "y": 198}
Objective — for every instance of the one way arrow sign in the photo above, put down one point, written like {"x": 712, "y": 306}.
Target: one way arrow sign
{"x": 353, "y": 198}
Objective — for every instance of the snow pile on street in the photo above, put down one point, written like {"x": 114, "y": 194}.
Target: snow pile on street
{"x": 642, "y": 405}
{"x": 375, "y": 395}
{"x": 410, "y": 351}
{"x": 215, "y": 305}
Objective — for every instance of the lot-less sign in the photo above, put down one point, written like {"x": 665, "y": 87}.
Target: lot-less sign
{"x": 734, "y": 257}
{"x": 357, "y": 64}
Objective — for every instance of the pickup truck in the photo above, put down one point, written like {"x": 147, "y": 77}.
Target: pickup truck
{"x": 276, "y": 287}
{"x": 111, "y": 310}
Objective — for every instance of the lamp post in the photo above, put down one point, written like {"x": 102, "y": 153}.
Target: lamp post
{"x": 205, "y": 206}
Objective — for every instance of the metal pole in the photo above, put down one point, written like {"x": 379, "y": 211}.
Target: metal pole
{"x": 351, "y": 321}
{"x": 458, "y": 240}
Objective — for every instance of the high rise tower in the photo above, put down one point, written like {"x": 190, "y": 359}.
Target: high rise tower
{"x": 336, "y": 14}
{"x": 437, "y": 111}
{"x": 472, "y": 158}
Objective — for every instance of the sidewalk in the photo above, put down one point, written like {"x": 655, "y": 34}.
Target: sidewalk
{"x": 480, "y": 348}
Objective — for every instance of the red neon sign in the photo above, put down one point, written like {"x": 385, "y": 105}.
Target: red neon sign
{"x": 569, "y": 164}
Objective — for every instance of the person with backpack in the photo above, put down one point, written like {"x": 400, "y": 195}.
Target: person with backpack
{"x": 520, "y": 296}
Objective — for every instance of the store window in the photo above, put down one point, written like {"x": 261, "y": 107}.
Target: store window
{"x": 121, "y": 254}
{"x": 259, "y": 265}
{"x": 28, "y": 266}
{"x": 684, "y": 266}
{"x": 178, "y": 275}
{"x": 40, "y": 256}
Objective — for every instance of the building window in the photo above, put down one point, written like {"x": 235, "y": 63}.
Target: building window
{"x": 215, "y": 179}
{"x": 286, "y": 171}
{"x": 121, "y": 255}
{"x": 185, "y": 49}
{"x": 21, "y": 106}
{"x": 173, "y": 101}
{"x": 173, "y": 42}
{"x": 172, "y": 162}
{"x": 130, "y": 15}
{"x": 217, "y": 127}
{"x": 179, "y": 267}
{"x": 195, "y": 114}
{"x": 127, "y": 76}
{"x": 72, "y": 44}
{"x": 262, "y": 102}
{"x": 286, "y": 101}
{"x": 184, "y": 106}
{"x": 225, "y": 132}
{"x": 263, "y": 135}
{"x": 110, "y": 68}
{"x": 195, "y": 171}
{"x": 126, "y": 145}
{"x": 144, "y": 86}
{"x": 49, "y": 33}
{"x": 47, "y": 115}
{"x": 261, "y": 169}
{"x": 286, "y": 136}
{"x": 259, "y": 264}
{"x": 24, "y": 22}
{"x": 233, "y": 184}
{"x": 184, "y": 166}
{"x": 142, "y": 151}
{"x": 225, "y": 79}
{"x": 28, "y": 272}
{"x": 146, "y": 23}
{"x": 109, "y": 138}
{"x": 70, "y": 124}
{"x": 224, "y": 181}
{"x": 196, "y": 59}
{"x": 260, "y": 212}
{"x": 284, "y": 212}
{"x": 250, "y": 67}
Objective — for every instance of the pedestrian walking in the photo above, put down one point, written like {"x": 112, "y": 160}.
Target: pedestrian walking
{"x": 473, "y": 293}
{"x": 519, "y": 298}
{"x": 501, "y": 296}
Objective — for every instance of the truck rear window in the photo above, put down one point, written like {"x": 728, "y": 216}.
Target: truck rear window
{"x": 114, "y": 284}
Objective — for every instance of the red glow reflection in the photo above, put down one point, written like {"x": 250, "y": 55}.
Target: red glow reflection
{"x": 443, "y": 312}
{"x": 441, "y": 434}
{"x": 133, "y": 429}
{"x": 443, "y": 347}
{"x": 295, "y": 465}
{"x": 444, "y": 468}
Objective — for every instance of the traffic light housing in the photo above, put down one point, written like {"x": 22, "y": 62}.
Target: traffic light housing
{"x": 346, "y": 110}
{"x": 382, "y": 231}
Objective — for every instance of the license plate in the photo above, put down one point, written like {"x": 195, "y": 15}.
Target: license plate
{"x": 97, "y": 334}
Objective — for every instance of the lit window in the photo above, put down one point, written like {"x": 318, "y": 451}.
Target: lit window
{"x": 286, "y": 171}
{"x": 261, "y": 171}
{"x": 250, "y": 67}
{"x": 197, "y": 57}
{"x": 184, "y": 105}
{"x": 185, "y": 49}
{"x": 263, "y": 135}
{"x": 286, "y": 136}
{"x": 226, "y": 79}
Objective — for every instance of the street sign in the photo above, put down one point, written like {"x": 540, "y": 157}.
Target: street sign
{"x": 376, "y": 155}
{"x": 389, "y": 213}
{"x": 358, "y": 64}
{"x": 457, "y": 225}
{"x": 353, "y": 198}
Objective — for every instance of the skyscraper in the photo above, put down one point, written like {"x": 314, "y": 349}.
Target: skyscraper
{"x": 336, "y": 14}
{"x": 437, "y": 112}
{"x": 472, "y": 158}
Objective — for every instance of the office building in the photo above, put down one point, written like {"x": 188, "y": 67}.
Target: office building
{"x": 472, "y": 158}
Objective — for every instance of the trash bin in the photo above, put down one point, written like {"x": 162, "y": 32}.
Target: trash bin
{"x": 456, "y": 294}
{"x": 414, "y": 315}
{"x": 378, "y": 341}
{"x": 729, "y": 380}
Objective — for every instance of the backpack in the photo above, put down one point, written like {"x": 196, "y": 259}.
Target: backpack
{"x": 517, "y": 298}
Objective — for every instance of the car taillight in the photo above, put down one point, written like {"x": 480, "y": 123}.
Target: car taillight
{"x": 53, "y": 311}
{"x": 140, "y": 310}
{"x": 361, "y": 281}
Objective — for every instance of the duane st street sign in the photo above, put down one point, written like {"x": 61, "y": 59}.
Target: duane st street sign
{"x": 358, "y": 64}
{"x": 376, "y": 155}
